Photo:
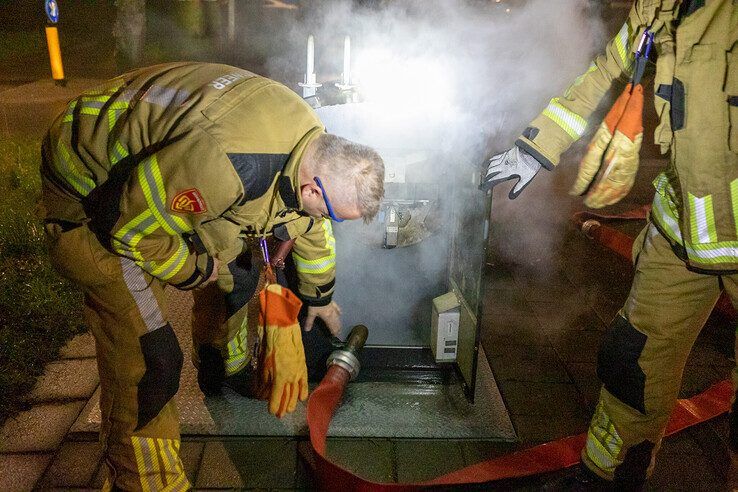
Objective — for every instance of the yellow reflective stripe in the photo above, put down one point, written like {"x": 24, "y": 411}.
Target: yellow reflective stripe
{"x": 152, "y": 185}
{"x": 734, "y": 202}
{"x": 315, "y": 267}
{"x": 127, "y": 238}
{"x": 622, "y": 44}
{"x": 238, "y": 350}
{"x": 173, "y": 473}
{"x": 69, "y": 113}
{"x": 702, "y": 219}
{"x": 147, "y": 463}
{"x": 117, "y": 153}
{"x": 173, "y": 265}
{"x": 69, "y": 171}
{"x": 603, "y": 441}
{"x": 570, "y": 122}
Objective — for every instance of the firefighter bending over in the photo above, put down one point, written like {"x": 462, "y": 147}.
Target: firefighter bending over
{"x": 159, "y": 177}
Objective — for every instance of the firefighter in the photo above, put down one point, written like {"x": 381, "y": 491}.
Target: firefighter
{"x": 688, "y": 252}
{"x": 160, "y": 177}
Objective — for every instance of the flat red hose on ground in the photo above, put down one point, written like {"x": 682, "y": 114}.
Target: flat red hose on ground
{"x": 545, "y": 458}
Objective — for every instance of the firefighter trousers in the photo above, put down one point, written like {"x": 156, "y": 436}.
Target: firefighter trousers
{"x": 642, "y": 357}
{"x": 139, "y": 361}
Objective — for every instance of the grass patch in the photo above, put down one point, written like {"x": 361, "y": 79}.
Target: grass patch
{"x": 39, "y": 311}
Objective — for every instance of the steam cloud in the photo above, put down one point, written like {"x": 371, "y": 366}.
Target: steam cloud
{"x": 469, "y": 75}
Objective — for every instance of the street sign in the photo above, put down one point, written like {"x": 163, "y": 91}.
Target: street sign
{"x": 52, "y": 10}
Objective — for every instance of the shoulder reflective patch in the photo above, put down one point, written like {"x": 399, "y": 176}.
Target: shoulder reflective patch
{"x": 189, "y": 201}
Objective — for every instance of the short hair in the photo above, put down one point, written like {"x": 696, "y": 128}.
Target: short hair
{"x": 345, "y": 162}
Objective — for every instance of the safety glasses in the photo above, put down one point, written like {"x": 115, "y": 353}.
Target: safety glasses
{"x": 328, "y": 205}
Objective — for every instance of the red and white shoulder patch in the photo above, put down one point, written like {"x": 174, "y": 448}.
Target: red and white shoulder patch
{"x": 189, "y": 202}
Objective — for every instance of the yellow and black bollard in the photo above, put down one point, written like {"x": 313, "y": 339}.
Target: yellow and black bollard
{"x": 52, "y": 41}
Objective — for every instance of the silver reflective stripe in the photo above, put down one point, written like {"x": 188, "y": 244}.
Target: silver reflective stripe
{"x": 139, "y": 288}
{"x": 165, "y": 96}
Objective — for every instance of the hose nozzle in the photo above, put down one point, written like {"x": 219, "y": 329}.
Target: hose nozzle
{"x": 347, "y": 357}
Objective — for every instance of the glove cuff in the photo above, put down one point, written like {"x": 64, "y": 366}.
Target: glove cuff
{"x": 527, "y": 148}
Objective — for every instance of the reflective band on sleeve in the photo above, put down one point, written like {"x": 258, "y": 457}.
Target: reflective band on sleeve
{"x": 173, "y": 265}
{"x": 702, "y": 220}
{"x": 143, "y": 295}
{"x": 127, "y": 238}
{"x": 570, "y": 122}
{"x": 69, "y": 171}
{"x": 323, "y": 264}
{"x": 603, "y": 442}
{"x": 158, "y": 464}
{"x": 152, "y": 185}
{"x": 622, "y": 44}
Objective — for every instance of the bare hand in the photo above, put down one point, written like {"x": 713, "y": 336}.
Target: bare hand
{"x": 330, "y": 314}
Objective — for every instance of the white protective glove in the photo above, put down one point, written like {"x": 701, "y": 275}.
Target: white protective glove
{"x": 511, "y": 164}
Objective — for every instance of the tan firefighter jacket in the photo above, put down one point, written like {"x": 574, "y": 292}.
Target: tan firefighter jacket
{"x": 696, "y": 98}
{"x": 175, "y": 164}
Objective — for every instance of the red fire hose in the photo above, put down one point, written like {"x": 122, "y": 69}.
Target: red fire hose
{"x": 545, "y": 458}
{"x": 591, "y": 224}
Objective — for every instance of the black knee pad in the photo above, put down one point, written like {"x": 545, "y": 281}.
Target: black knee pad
{"x": 211, "y": 370}
{"x": 617, "y": 363}
{"x": 160, "y": 382}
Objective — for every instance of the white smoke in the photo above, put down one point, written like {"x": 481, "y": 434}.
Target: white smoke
{"x": 465, "y": 77}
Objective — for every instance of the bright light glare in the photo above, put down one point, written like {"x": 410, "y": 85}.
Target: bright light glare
{"x": 409, "y": 84}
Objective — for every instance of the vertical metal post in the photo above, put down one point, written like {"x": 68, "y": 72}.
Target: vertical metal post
{"x": 52, "y": 41}
{"x": 231, "y": 22}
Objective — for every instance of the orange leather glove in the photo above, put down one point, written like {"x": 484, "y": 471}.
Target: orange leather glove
{"x": 608, "y": 169}
{"x": 284, "y": 370}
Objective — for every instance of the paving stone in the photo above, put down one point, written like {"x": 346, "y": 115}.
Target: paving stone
{"x": 253, "y": 463}
{"x": 420, "y": 460}
{"x": 305, "y": 479}
{"x": 544, "y": 399}
{"x": 190, "y": 452}
{"x": 42, "y": 428}
{"x": 511, "y": 329}
{"x": 504, "y": 301}
{"x": 704, "y": 354}
{"x": 80, "y": 347}
{"x": 74, "y": 465}
{"x": 677, "y": 471}
{"x": 20, "y": 472}
{"x": 712, "y": 438}
{"x": 372, "y": 459}
{"x": 577, "y": 346}
{"x": 536, "y": 429}
{"x": 536, "y": 363}
{"x": 566, "y": 315}
{"x": 72, "y": 379}
{"x": 697, "y": 379}
{"x": 585, "y": 378}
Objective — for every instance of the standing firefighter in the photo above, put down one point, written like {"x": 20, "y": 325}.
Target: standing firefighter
{"x": 689, "y": 251}
{"x": 158, "y": 177}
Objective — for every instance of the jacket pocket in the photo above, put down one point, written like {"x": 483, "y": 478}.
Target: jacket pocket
{"x": 731, "y": 91}
{"x": 662, "y": 95}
